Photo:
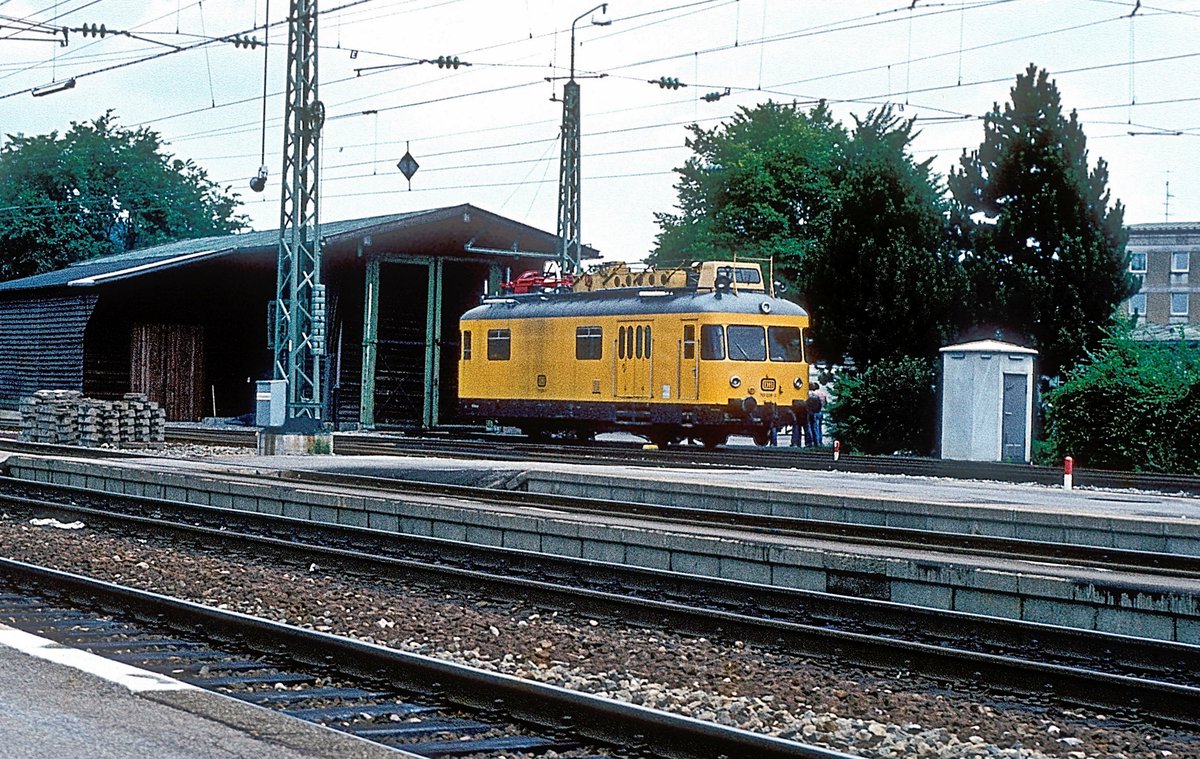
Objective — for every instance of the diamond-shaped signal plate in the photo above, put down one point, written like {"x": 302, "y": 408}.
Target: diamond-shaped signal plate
{"x": 408, "y": 165}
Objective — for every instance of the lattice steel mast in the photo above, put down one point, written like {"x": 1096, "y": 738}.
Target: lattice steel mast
{"x": 569, "y": 182}
{"x": 299, "y": 319}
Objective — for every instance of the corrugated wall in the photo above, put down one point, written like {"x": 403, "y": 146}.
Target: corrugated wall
{"x": 41, "y": 344}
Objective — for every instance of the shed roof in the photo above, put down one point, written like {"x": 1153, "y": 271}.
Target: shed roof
{"x": 988, "y": 346}
{"x": 186, "y": 252}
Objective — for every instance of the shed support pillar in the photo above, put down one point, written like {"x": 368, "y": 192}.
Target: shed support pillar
{"x": 433, "y": 344}
{"x": 366, "y": 406}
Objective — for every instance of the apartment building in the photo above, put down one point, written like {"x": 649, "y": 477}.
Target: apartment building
{"x": 1165, "y": 256}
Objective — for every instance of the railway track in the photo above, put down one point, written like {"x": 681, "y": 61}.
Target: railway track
{"x": 516, "y": 448}
{"x": 1113, "y": 672}
{"x": 1069, "y": 554}
{"x": 424, "y": 707}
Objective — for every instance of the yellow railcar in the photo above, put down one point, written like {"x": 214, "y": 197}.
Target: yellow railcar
{"x": 714, "y": 357}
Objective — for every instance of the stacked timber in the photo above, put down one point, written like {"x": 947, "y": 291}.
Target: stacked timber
{"x": 67, "y": 418}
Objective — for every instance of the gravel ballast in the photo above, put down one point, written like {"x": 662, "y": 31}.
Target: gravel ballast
{"x": 868, "y": 713}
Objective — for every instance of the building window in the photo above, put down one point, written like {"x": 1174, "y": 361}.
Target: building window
{"x": 1137, "y": 305}
{"x": 747, "y": 343}
{"x": 589, "y": 343}
{"x": 712, "y": 342}
{"x": 1179, "y": 304}
{"x": 1179, "y": 262}
{"x": 1137, "y": 263}
{"x": 499, "y": 345}
{"x": 466, "y": 345}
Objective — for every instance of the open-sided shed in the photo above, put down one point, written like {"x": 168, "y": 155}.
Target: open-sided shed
{"x": 187, "y": 322}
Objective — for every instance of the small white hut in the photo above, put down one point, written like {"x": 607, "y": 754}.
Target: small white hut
{"x": 987, "y": 401}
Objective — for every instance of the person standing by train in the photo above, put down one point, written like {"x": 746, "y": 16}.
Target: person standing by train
{"x": 815, "y": 404}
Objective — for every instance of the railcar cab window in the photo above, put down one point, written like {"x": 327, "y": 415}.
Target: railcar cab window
{"x": 784, "y": 344}
{"x": 589, "y": 343}
{"x": 466, "y": 342}
{"x": 712, "y": 342}
{"x": 499, "y": 345}
{"x": 742, "y": 276}
{"x": 747, "y": 343}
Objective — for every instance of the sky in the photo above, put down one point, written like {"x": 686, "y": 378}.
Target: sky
{"x": 488, "y": 133}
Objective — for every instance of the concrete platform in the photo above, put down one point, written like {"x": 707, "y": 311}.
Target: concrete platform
{"x": 1128, "y": 603}
{"x": 60, "y": 703}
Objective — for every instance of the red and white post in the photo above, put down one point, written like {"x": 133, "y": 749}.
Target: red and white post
{"x": 1068, "y": 471}
{"x": 837, "y": 449}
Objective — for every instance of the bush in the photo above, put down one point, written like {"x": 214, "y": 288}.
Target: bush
{"x": 1132, "y": 406}
{"x": 887, "y": 408}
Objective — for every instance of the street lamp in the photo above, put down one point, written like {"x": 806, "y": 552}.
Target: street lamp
{"x": 603, "y": 8}
{"x": 53, "y": 87}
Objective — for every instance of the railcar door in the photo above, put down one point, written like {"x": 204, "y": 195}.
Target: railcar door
{"x": 688, "y": 380}
{"x": 635, "y": 345}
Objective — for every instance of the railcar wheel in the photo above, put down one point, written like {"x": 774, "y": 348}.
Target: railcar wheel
{"x": 762, "y": 437}
{"x": 713, "y": 439}
{"x": 662, "y": 439}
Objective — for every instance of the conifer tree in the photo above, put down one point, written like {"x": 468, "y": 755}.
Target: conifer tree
{"x": 1044, "y": 245}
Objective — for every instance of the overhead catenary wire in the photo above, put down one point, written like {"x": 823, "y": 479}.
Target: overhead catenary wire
{"x": 911, "y": 91}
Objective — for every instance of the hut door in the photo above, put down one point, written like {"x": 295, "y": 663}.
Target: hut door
{"x": 634, "y": 347}
{"x": 167, "y": 365}
{"x": 1012, "y": 430}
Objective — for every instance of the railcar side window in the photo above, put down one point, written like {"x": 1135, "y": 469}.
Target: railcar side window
{"x": 689, "y": 341}
{"x": 629, "y": 342}
{"x": 589, "y": 343}
{"x": 747, "y": 343}
{"x": 712, "y": 342}
{"x": 466, "y": 345}
{"x": 638, "y": 350}
{"x": 785, "y": 344}
{"x": 647, "y": 341}
{"x": 620, "y": 342}
{"x": 499, "y": 345}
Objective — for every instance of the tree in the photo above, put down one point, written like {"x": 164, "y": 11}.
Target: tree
{"x": 887, "y": 408}
{"x": 1131, "y": 405}
{"x": 1044, "y": 251}
{"x": 882, "y": 280}
{"x": 100, "y": 189}
{"x": 855, "y": 222}
{"x": 757, "y": 186}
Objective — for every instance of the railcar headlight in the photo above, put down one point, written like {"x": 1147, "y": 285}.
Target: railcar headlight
{"x": 735, "y": 381}
{"x": 797, "y": 383}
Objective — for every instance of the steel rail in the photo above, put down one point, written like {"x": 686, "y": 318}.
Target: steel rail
{"x": 910, "y": 638}
{"x": 596, "y": 718}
